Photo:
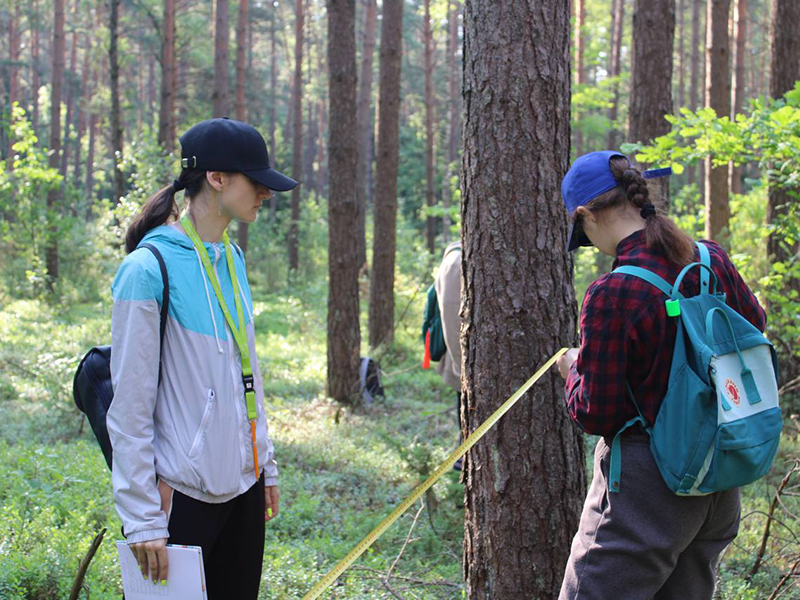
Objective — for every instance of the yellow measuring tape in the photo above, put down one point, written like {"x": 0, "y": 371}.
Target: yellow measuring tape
{"x": 348, "y": 560}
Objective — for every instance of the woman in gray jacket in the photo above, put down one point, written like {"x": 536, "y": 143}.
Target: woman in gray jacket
{"x": 193, "y": 461}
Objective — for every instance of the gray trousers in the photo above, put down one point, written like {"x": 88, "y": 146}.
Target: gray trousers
{"x": 645, "y": 542}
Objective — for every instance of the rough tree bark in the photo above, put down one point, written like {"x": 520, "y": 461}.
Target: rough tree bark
{"x": 617, "y": 30}
{"x": 718, "y": 97}
{"x": 166, "y": 113}
{"x": 364, "y": 124}
{"x": 344, "y": 337}
{"x": 297, "y": 145}
{"x": 525, "y": 481}
{"x": 381, "y": 286}
{"x": 54, "y": 194}
{"x": 785, "y": 71}
{"x": 651, "y": 79}
{"x": 220, "y": 95}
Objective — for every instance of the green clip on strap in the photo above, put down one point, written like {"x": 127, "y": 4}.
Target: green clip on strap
{"x": 240, "y": 332}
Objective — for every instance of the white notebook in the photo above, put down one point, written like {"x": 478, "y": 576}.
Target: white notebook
{"x": 186, "y": 579}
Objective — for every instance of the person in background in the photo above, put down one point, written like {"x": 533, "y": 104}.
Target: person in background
{"x": 448, "y": 293}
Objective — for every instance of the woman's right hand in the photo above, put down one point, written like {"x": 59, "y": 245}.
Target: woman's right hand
{"x": 152, "y": 558}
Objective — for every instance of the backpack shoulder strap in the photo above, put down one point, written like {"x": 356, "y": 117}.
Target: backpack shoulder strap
{"x": 648, "y": 276}
{"x": 705, "y": 259}
{"x": 164, "y": 298}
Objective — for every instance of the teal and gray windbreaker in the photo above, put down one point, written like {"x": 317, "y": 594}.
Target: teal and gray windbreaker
{"x": 191, "y": 430}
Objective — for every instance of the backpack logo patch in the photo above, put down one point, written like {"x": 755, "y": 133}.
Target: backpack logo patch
{"x": 733, "y": 392}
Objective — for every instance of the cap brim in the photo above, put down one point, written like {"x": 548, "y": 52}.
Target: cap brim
{"x": 272, "y": 179}
{"x": 577, "y": 237}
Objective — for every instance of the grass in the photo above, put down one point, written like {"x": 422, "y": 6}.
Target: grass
{"x": 341, "y": 471}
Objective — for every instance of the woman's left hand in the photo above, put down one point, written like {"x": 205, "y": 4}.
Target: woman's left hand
{"x": 271, "y": 498}
{"x": 565, "y": 361}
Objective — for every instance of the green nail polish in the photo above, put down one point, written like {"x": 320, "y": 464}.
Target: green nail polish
{"x": 145, "y": 577}
{"x": 155, "y": 581}
{"x": 269, "y": 512}
{"x": 163, "y": 582}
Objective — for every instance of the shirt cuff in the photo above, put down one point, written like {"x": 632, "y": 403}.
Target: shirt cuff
{"x": 147, "y": 535}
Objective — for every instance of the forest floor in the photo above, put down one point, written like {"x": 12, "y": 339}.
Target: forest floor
{"x": 341, "y": 471}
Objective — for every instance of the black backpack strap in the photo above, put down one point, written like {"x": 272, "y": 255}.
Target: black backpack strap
{"x": 164, "y": 299}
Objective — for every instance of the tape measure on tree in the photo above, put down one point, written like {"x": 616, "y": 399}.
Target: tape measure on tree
{"x": 443, "y": 468}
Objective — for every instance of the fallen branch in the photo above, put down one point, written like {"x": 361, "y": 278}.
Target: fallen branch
{"x": 762, "y": 549}
{"x": 783, "y": 580}
{"x": 84, "y": 566}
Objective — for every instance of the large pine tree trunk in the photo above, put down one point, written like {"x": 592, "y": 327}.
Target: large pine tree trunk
{"x": 519, "y": 302}
{"x": 785, "y": 71}
{"x": 617, "y": 30}
{"x": 740, "y": 37}
{"x": 297, "y": 145}
{"x": 651, "y": 80}
{"x": 381, "y": 288}
{"x": 364, "y": 124}
{"x": 220, "y": 95}
{"x": 344, "y": 337}
{"x": 718, "y": 97}
{"x": 430, "y": 194}
{"x": 54, "y": 195}
{"x": 240, "y": 109}
{"x": 166, "y": 113}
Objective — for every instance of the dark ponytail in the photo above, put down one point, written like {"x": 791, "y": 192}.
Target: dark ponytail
{"x": 661, "y": 232}
{"x": 161, "y": 206}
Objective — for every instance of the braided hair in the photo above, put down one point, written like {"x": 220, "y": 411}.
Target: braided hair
{"x": 661, "y": 232}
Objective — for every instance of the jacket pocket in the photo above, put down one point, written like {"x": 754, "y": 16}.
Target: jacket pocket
{"x": 201, "y": 431}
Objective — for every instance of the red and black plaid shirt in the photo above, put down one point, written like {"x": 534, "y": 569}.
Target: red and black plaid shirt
{"x": 626, "y": 335}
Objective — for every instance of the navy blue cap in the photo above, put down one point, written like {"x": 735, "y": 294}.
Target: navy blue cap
{"x": 232, "y": 146}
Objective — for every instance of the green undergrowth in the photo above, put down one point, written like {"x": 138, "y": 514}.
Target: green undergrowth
{"x": 341, "y": 470}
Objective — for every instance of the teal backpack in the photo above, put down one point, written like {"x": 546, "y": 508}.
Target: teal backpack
{"x": 719, "y": 424}
{"x": 432, "y": 332}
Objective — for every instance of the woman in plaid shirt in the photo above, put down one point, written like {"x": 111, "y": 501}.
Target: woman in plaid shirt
{"x": 643, "y": 541}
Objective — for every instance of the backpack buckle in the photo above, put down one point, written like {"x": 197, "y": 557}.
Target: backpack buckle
{"x": 249, "y": 383}
{"x": 673, "y": 308}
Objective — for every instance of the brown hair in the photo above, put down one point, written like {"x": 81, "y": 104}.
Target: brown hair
{"x": 661, "y": 232}
{"x": 161, "y": 206}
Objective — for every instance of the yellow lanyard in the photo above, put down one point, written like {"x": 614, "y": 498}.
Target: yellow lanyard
{"x": 240, "y": 332}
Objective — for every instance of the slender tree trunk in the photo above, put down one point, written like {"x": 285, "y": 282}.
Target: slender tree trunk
{"x": 220, "y": 96}
{"x": 344, "y": 337}
{"x": 681, "y": 100}
{"x": 580, "y": 67}
{"x": 651, "y": 80}
{"x": 273, "y": 116}
{"x": 617, "y": 30}
{"x": 54, "y": 194}
{"x": 240, "y": 107}
{"x": 35, "y": 66}
{"x": 322, "y": 116}
{"x": 83, "y": 109}
{"x": 454, "y": 110}
{"x": 519, "y": 304}
{"x": 694, "y": 79}
{"x": 297, "y": 146}
{"x": 364, "y": 124}
{"x": 430, "y": 194}
{"x": 116, "y": 123}
{"x": 740, "y": 37}
{"x": 70, "y": 93}
{"x": 785, "y": 71}
{"x": 381, "y": 288}
{"x": 166, "y": 113}
{"x": 13, "y": 57}
{"x": 718, "y": 97}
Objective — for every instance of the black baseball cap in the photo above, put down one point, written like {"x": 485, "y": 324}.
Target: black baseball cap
{"x": 225, "y": 144}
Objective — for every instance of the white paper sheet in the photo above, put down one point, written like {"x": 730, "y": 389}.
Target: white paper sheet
{"x": 186, "y": 579}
